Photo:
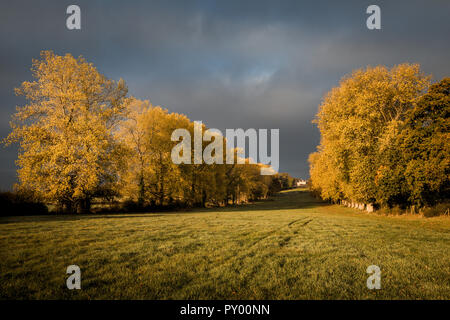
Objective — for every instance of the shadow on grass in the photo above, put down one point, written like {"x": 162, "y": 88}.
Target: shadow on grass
{"x": 288, "y": 200}
{"x": 75, "y": 217}
{"x": 292, "y": 199}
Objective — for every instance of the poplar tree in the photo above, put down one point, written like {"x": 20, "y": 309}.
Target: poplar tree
{"x": 68, "y": 153}
{"x": 359, "y": 122}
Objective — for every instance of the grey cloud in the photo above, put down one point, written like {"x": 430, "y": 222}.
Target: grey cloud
{"x": 231, "y": 64}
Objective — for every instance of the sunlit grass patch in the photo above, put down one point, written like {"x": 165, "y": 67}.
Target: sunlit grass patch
{"x": 295, "y": 247}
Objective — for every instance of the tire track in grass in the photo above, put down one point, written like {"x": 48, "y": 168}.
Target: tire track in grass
{"x": 280, "y": 228}
{"x": 251, "y": 248}
{"x": 232, "y": 259}
{"x": 331, "y": 229}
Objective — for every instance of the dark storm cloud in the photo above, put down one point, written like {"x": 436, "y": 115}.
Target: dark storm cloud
{"x": 231, "y": 64}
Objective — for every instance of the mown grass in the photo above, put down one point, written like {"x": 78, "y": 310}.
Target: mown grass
{"x": 294, "y": 247}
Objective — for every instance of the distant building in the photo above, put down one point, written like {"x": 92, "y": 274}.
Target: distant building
{"x": 300, "y": 182}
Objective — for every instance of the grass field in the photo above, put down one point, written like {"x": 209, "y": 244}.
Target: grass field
{"x": 294, "y": 247}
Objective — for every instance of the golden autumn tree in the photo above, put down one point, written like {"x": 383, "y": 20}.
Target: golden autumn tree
{"x": 68, "y": 153}
{"x": 423, "y": 148}
{"x": 150, "y": 176}
{"x": 358, "y": 121}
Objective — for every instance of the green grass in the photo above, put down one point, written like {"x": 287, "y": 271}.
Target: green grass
{"x": 293, "y": 247}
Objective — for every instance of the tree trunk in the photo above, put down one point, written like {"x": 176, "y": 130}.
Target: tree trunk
{"x": 141, "y": 192}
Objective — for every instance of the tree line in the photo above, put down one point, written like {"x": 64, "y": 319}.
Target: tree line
{"x": 384, "y": 139}
{"x": 82, "y": 138}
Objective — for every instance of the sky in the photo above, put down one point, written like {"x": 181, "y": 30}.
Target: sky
{"x": 231, "y": 64}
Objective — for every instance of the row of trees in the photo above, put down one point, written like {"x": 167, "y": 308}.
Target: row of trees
{"x": 82, "y": 138}
{"x": 151, "y": 178}
{"x": 384, "y": 139}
